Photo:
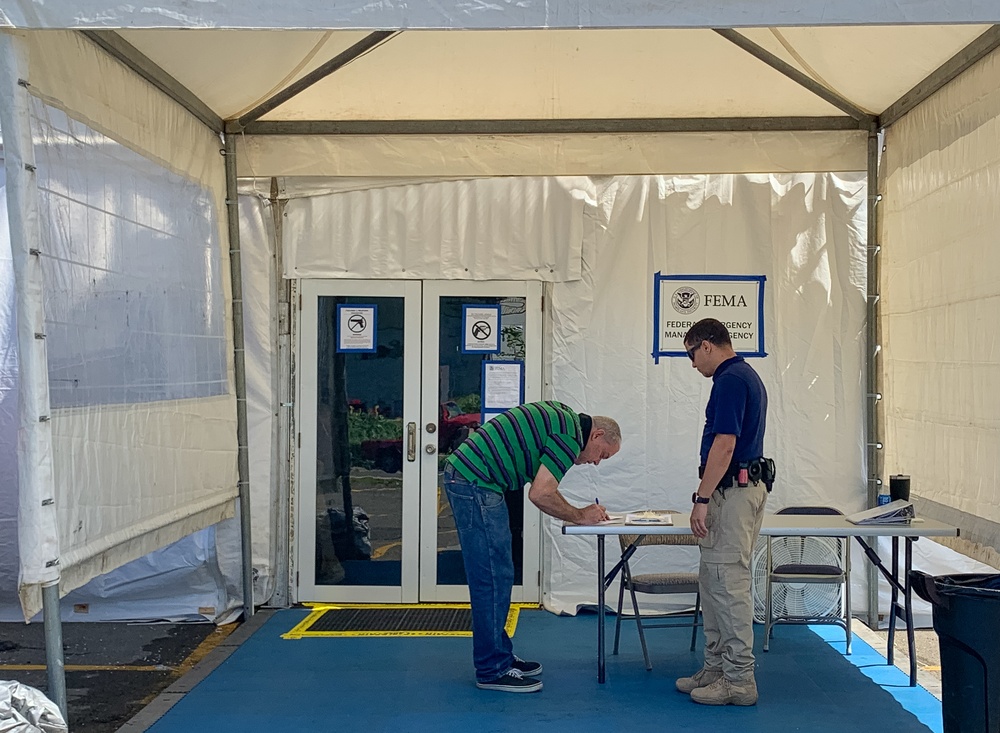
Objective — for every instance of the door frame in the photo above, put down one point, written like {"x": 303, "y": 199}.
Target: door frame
{"x": 420, "y": 506}
{"x": 306, "y": 420}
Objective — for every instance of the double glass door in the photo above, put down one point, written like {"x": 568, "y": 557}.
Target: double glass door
{"x": 393, "y": 375}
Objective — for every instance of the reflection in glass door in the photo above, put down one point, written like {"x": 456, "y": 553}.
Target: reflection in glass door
{"x": 358, "y": 426}
{"x": 452, "y": 407}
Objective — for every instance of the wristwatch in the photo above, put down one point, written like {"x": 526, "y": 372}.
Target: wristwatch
{"x": 699, "y": 499}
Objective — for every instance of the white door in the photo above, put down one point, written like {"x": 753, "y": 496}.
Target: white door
{"x": 391, "y": 378}
{"x": 461, "y": 341}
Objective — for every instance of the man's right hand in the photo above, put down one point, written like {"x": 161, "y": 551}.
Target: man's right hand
{"x": 698, "y": 514}
{"x": 592, "y": 514}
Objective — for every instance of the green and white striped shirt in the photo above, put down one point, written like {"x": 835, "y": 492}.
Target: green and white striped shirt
{"x": 506, "y": 452}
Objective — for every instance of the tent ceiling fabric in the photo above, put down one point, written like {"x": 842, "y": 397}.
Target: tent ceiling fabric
{"x": 364, "y": 14}
{"x": 552, "y": 74}
{"x": 871, "y": 66}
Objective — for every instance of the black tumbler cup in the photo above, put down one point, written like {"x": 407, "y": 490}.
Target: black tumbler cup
{"x": 899, "y": 487}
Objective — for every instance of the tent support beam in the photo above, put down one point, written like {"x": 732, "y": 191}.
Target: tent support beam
{"x": 131, "y": 57}
{"x": 550, "y": 126}
{"x": 873, "y": 442}
{"x": 937, "y": 79}
{"x": 339, "y": 61}
{"x": 761, "y": 53}
{"x": 239, "y": 371}
{"x": 36, "y": 511}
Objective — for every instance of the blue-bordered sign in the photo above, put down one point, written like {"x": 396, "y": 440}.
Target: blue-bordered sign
{"x": 680, "y": 301}
{"x": 503, "y": 387}
{"x": 481, "y": 329}
{"x": 356, "y": 328}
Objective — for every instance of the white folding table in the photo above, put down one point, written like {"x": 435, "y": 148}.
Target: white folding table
{"x": 790, "y": 525}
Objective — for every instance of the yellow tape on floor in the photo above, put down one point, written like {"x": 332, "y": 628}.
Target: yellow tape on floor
{"x": 303, "y": 629}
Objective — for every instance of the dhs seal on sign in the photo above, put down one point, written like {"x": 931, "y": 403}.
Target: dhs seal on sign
{"x": 685, "y": 300}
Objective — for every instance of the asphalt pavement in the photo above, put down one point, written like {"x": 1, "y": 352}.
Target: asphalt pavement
{"x": 113, "y": 670}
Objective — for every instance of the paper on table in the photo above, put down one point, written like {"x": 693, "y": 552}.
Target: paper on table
{"x": 637, "y": 518}
{"x": 648, "y": 517}
{"x": 613, "y": 519}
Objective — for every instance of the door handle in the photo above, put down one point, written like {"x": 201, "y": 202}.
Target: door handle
{"x": 411, "y": 441}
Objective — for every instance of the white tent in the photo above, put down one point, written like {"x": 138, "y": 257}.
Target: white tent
{"x": 640, "y": 114}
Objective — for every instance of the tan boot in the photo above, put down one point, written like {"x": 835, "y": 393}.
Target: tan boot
{"x": 702, "y": 678}
{"x": 727, "y": 692}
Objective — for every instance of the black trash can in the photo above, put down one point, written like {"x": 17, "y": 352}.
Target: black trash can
{"x": 967, "y": 622}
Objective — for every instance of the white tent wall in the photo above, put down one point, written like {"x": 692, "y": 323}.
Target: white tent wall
{"x": 805, "y": 232}
{"x": 940, "y": 303}
{"x": 550, "y": 155}
{"x": 187, "y": 580}
{"x": 134, "y": 186}
{"x": 439, "y": 230}
{"x": 9, "y": 419}
{"x": 260, "y": 298}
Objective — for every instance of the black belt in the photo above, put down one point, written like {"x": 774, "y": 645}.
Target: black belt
{"x": 743, "y": 473}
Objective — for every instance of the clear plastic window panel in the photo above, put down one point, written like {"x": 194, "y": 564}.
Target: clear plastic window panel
{"x": 134, "y": 303}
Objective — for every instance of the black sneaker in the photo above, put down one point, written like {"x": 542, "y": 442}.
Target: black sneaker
{"x": 527, "y": 669}
{"x": 511, "y": 681}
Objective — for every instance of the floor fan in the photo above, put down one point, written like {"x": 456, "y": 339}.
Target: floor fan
{"x": 795, "y": 599}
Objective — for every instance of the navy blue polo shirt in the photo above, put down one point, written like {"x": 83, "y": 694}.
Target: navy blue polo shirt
{"x": 737, "y": 406}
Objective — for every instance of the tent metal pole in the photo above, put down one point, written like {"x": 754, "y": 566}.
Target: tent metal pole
{"x": 284, "y": 392}
{"x": 937, "y": 79}
{"x": 548, "y": 127}
{"x": 339, "y": 61}
{"x": 239, "y": 369}
{"x": 37, "y": 505}
{"x": 872, "y": 379}
{"x": 54, "y": 663}
{"x": 132, "y": 58}
{"x": 786, "y": 69}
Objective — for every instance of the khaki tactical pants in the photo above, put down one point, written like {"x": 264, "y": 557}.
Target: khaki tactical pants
{"x": 733, "y": 521}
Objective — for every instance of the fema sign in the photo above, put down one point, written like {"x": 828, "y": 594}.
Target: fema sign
{"x": 680, "y": 301}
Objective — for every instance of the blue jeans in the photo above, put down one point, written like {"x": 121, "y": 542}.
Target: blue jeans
{"x": 484, "y": 532}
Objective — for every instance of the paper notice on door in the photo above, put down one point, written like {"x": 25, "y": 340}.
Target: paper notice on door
{"x": 503, "y": 385}
{"x": 356, "y": 328}
{"x": 482, "y": 329}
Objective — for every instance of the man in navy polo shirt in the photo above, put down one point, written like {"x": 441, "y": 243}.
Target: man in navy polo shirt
{"x": 726, "y": 516}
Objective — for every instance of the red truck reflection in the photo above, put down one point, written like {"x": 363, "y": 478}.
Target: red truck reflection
{"x": 453, "y": 427}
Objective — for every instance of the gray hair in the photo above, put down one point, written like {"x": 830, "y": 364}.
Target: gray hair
{"x": 612, "y": 433}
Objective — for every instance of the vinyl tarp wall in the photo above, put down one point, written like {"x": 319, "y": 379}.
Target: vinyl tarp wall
{"x": 131, "y": 194}
{"x": 804, "y": 232}
{"x": 940, "y": 295}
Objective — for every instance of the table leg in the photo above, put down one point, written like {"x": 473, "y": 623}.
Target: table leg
{"x": 893, "y": 601}
{"x": 600, "y": 608}
{"x": 908, "y": 609}
{"x": 892, "y": 577}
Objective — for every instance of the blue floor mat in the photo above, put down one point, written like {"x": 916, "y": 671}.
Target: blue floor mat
{"x": 427, "y": 684}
